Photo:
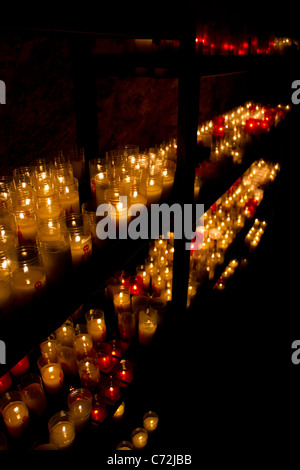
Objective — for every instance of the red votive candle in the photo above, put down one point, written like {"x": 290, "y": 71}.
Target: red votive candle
{"x": 104, "y": 356}
{"x": 124, "y": 372}
{"x": 20, "y": 368}
{"x": 5, "y": 382}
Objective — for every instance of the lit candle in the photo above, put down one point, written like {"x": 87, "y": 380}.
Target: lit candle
{"x": 69, "y": 199}
{"x": 80, "y": 407}
{"x": 96, "y": 326}
{"x": 89, "y": 373}
{"x": 154, "y": 192}
{"x": 28, "y": 283}
{"x": 104, "y": 356}
{"x": 15, "y": 416}
{"x": 123, "y": 372}
{"x": 119, "y": 413}
{"x": 83, "y": 345}
{"x": 61, "y": 430}
{"x": 53, "y": 377}
{"x": 124, "y": 445}
{"x": 65, "y": 334}
{"x": 122, "y": 302}
{"x": 81, "y": 249}
{"x": 147, "y": 327}
{"x": 150, "y": 421}
{"x": 27, "y": 228}
{"x": 139, "y": 438}
{"x": 49, "y": 350}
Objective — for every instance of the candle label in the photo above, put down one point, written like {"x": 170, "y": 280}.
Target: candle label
{"x": 38, "y": 285}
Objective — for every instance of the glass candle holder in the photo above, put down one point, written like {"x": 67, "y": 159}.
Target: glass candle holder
{"x": 158, "y": 285}
{"x": 33, "y": 393}
{"x": 80, "y": 407}
{"x": 127, "y": 326}
{"x": 61, "y": 430}
{"x": 150, "y": 421}
{"x": 67, "y": 360}
{"x": 110, "y": 390}
{"x": 119, "y": 413}
{"x": 97, "y": 166}
{"x": 67, "y": 189}
{"x": 49, "y": 350}
{"x": 144, "y": 276}
{"x": 65, "y": 334}
{"x": 20, "y": 368}
{"x": 154, "y": 186}
{"x": 125, "y": 445}
{"x": 123, "y": 371}
{"x": 52, "y": 375}
{"x": 89, "y": 373}
{"x": 147, "y": 326}
{"x": 102, "y": 183}
{"x": 122, "y": 302}
{"x": 83, "y": 346}
{"x": 96, "y": 326}
{"x": 29, "y": 279}
{"x": 90, "y": 221}
{"x": 15, "y": 413}
{"x": 104, "y": 357}
{"x": 99, "y": 409}
{"x": 5, "y": 383}
{"x": 80, "y": 242}
{"x": 139, "y": 438}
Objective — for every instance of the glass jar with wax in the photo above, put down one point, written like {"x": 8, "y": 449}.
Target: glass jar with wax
{"x": 54, "y": 245}
{"x": 62, "y": 430}
{"x": 67, "y": 189}
{"x": 120, "y": 202}
{"x": 147, "y": 326}
{"x": 90, "y": 221}
{"x": 5, "y": 194}
{"x": 32, "y": 390}
{"x": 99, "y": 167}
{"x": 29, "y": 278}
{"x": 15, "y": 413}
{"x": 80, "y": 406}
{"x": 96, "y": 327}
{"x": 80, "y": 240}
{"x": 24, "y": 211}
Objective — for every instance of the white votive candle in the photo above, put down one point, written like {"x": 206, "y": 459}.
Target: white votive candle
{"x": 139, "y": 438}
{"x": 16, "y": 416}
{"x": 53, "y": 377}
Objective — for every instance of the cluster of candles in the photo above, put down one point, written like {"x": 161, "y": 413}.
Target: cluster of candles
{"x": 70, "y": 355}
{"x": 228, "y": 133}
{"x": 42, "y": 233}
{"x": 251, "y": 241}
{"x": 140, "y": 300}
{"x": 226, "y": 218}
{"x": 255, "y": 233}
{"x": 144, "y": 178}
{"x": 139, "y": 436}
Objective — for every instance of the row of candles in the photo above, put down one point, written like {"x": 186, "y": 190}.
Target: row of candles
{"x": 44, "y": 231}
{"x": 227, "y": 134}
{"x": 251, "y": 241}
{"x": 83, "y": 351}
{"x": 226, "y": 218}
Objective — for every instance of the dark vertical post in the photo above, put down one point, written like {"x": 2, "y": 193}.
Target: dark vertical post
{"x": 85, "y": 96}
{"x": 188, "y": 111}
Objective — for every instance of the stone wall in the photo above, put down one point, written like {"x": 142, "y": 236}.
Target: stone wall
{"x": 39, "y": 114}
